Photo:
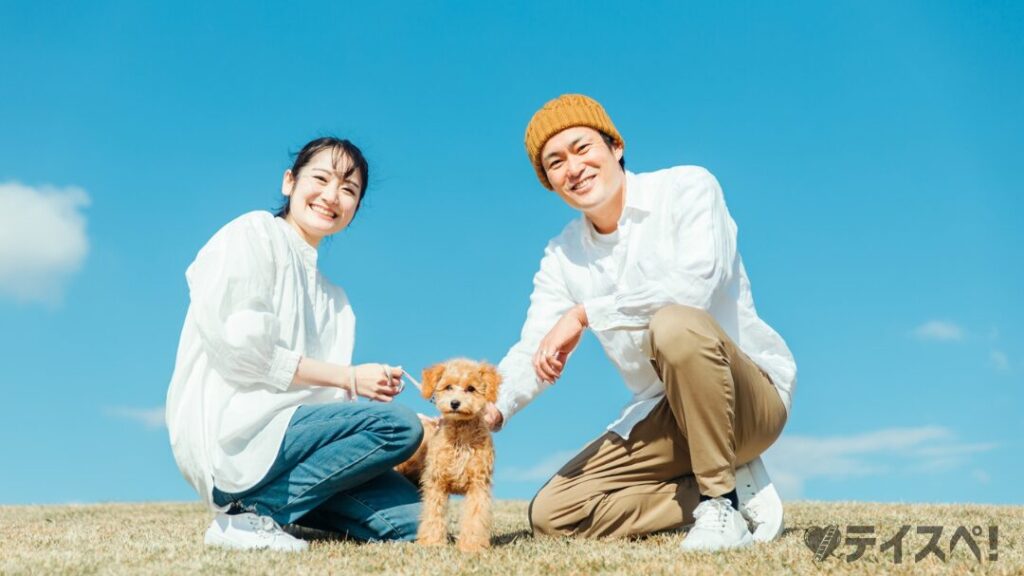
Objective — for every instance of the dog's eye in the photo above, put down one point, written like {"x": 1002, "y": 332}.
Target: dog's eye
{"x": 470, "y": 389}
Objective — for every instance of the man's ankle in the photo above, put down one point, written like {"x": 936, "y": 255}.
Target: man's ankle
{"x": 730, "y": 496}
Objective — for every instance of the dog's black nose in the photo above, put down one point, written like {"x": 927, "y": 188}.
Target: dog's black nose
{"x": 456, "y": 404}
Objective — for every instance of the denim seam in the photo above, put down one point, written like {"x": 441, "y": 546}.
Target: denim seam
{"x": 237, "y": 496}
{"x": 306, "y": 424}
{"x": 292, "y": 500}
{"x": 377, "y": 513}
{"x": 309, "y": 419}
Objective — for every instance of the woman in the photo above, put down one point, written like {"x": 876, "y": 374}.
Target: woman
{"x": 262, "y": 409}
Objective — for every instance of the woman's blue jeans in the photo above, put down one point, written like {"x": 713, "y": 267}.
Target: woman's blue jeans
{"x": 334, "y": 472}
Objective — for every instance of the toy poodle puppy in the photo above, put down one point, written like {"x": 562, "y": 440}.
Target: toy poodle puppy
{"x": 460, "y": 454}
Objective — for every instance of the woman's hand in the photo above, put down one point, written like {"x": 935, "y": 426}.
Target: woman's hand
{"x": 378, "y": 382}
{"x": 554, "y": 350}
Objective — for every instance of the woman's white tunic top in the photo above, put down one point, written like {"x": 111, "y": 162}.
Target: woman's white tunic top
{"x": 258, "y": 304}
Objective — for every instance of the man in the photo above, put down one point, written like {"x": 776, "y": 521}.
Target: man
{"x": 652, "y": 269}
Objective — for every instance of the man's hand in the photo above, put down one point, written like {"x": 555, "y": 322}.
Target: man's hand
{"x": 493, "y": 417}
{"x": 554, "y": 350}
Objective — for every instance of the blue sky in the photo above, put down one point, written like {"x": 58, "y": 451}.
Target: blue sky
{"x": 869, "y": 151}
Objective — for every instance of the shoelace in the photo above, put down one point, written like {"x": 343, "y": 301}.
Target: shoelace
{"x": 705, "y": 510}
{"x": 750, "y": 512}
{"x": 266, "y": 526}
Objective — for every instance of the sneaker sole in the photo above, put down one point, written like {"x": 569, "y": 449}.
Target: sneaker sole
{"x": 753, "y": 482}
{"x": 218, "y": 541}
{"x": 745, "y": 542}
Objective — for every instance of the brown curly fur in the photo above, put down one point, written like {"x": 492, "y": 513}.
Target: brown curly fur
{"x": 413, "y": 467}
{"x": 460, "y": 453}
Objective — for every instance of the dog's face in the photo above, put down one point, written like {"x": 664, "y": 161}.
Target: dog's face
{"x": 461, "y": 388}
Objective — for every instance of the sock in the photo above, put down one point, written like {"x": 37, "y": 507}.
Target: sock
{"x": 730, "y": 495}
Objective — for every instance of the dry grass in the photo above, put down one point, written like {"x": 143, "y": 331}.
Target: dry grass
{"x": 167, "y": 539}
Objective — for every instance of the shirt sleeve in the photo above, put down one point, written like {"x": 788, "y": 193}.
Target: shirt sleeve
{"x": 231, "y": 284}
{"x": 703, "y": 255}
{"x": 549, "y": 300}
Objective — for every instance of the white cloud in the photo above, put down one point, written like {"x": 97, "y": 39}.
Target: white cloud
{"x": 999, "y": 360}
{"x": 540, "y": 471}
{"x": 151, "y": 418}
{"x": 980, "y": 476}
{"x": 793, "y": 460}
{"x": 939, "y": 330}
{"x": 42, "y": 240}
{"x": 937, "y": 458}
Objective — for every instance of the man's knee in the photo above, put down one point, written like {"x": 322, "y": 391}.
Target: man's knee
{"x": 542, "y": 515}
{"x": 678, "y": 332}
{"x": 676, "y": 320}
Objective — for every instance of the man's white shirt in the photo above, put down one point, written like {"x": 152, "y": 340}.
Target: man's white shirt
{"x": 675, "y": 244}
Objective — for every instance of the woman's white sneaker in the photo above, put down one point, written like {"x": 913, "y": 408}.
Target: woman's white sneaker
{"x": 249, "y": 531}
{"x": 717, "y": 526}
{"x": 759, "y": 501}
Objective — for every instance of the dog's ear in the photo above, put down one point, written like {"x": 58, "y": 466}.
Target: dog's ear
{"x": 492, "y": 380}
{"x": 431, "y": 376}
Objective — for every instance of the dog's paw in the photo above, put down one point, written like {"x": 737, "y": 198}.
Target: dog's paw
{"x": 432, "y": 540}
{"x": 472, "y": 546}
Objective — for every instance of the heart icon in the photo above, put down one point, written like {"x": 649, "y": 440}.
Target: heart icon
{"x": 822, "y": 540}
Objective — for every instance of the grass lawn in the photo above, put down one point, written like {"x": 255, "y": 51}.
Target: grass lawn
{"x": 167, "y": 539}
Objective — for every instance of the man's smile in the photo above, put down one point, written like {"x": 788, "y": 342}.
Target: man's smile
{"x": 583, "y": 185}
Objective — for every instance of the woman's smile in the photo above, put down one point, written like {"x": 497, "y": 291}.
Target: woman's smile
{"x": 323, "y": 212}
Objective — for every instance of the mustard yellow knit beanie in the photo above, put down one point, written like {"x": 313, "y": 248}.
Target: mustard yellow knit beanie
{"x": 566, "y": 111}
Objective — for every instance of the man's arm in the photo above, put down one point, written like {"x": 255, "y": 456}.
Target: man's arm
{"x": 549, "y": 301}
{"x": 704, "y": 257}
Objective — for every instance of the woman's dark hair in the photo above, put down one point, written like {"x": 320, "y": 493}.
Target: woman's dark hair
{"x": 339, "y": 148}
{"x": 611, "y": 146}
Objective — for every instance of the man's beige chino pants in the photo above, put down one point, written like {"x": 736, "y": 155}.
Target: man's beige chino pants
{"x": 720, "y": 411}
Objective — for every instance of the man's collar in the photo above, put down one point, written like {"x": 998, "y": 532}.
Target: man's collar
{"x": 636, "y": 198}
{"x": 638, "y": 202}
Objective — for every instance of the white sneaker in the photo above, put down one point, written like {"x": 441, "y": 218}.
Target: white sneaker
{"x": 249, "y": 531}
{"x": 759, "y": 501}
{"x": 718, "y": 526}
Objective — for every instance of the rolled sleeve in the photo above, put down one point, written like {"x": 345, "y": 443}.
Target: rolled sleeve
{"x": 231, "y": 284}
{"x": 283, "y": 367}
{"x": 602, "y": 313}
